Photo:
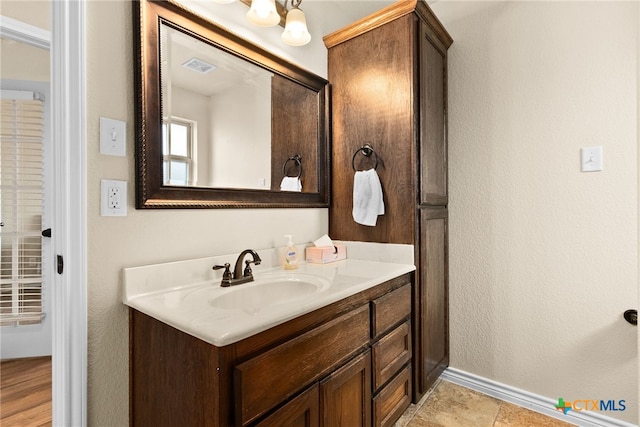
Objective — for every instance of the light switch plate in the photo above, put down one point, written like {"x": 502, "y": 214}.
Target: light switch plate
{"x": 113, "y": 137}
{"x": 113, "y": 198}
{"x": 591, "y": 159}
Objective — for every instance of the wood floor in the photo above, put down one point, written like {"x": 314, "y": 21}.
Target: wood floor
{"x": 25, "y": 392}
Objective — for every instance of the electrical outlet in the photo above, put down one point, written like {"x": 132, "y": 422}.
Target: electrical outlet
{"x": 113, "y": 198}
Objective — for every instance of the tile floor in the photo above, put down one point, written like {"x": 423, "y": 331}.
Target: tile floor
{"x": 451, "y": 405}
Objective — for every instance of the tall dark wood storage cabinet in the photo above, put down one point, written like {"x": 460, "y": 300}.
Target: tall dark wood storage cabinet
{"x": 388, "y": 76}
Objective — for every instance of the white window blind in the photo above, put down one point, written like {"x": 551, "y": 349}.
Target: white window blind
{"x": 21, "y": 188}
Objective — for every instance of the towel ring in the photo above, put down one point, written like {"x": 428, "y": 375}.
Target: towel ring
{"x": 367, "y": 150}
{"x": 298, "y": 161}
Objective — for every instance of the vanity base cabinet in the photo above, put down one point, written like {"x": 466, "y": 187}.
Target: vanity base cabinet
{"x": 388, "y": 75}
{"x": 314, "y": 370}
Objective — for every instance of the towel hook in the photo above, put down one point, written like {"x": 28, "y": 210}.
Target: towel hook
{"x": 298, "y": 161}
{"x": 366, "y": 150}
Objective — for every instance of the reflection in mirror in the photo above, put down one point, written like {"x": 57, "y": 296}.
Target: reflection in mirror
{"x": 218, "y": 118}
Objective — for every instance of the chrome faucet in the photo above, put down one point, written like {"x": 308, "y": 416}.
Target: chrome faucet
{"x": 239, "y": 275}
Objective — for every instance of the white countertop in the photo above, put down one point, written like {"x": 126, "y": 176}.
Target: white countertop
{"x": 188, "y": 302}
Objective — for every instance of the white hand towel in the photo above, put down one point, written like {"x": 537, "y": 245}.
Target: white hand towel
{"x": 368, "y": 202}
{"x": 291, "y": 183}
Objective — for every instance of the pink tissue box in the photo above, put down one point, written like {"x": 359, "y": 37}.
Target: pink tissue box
{"x": 325, "y": 254}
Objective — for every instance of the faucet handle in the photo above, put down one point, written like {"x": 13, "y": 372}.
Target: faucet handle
{"x": 227, "y": 273}
{"x": 247, "y": 269}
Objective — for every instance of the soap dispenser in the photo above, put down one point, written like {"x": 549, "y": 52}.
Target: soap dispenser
{"x": 290, "y": 255}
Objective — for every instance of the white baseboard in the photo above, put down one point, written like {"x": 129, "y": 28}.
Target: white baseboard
{"x": 525, "y": 399}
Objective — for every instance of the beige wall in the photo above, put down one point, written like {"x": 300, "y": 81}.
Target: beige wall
{"x": 544, "y": 258}
{"x": 145, "y": 237}
{"x": 33, "y": 12}
{"x": 19, "y": 61}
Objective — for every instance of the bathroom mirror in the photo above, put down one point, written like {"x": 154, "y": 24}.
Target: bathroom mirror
{"x": 222, "y": 123}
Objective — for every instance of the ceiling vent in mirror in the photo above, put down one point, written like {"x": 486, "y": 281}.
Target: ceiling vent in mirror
{"x": 199, "y": 65}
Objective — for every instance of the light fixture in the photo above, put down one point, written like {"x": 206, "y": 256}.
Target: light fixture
{"x": 295, "y": 31}
{"x": 263, "y": 13}
{"x": 269, "y": 13}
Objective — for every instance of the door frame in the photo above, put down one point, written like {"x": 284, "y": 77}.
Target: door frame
{"x": 69, "y": 296}
{"x": 66, "y": 43}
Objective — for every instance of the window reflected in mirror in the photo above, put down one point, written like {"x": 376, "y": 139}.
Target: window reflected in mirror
{"x": 177, "y": 137}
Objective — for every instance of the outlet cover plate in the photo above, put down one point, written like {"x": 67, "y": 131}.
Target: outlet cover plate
{"x": 113, "y": 198}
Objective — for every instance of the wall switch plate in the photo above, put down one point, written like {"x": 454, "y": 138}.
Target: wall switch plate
{"x": 113, "y": 137}
{"x": 591, "y": 159}
{"x": 113, "y": 198}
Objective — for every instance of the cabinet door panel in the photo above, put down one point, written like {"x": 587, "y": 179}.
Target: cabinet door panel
{"x": 302, "y": 411}
{"x": 433, "y": 138}
{"x": 346, "y": 395}
{"x": 434, "y": 331}
{"x": 370, "y": 103}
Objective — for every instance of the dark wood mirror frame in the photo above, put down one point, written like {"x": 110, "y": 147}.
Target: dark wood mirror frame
{"x": 150, "y": 191}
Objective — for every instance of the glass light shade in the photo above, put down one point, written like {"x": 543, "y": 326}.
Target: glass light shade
{"x": 295, "y": 31}
{"x": 263, "y": 13}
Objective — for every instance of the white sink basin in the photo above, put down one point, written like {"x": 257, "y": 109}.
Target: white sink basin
{"x": 269, "y": 290}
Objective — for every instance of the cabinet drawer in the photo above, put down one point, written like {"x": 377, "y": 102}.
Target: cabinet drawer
{"x": 391, "y": 353}
{"x": 388, "y": 310}
{"x": 393, "y": 400}
{"x": 263, "y": 382}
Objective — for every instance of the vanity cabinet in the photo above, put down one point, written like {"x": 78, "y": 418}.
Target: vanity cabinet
{"x": 345, "y": 364}
{"x": 388, "y": 75}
